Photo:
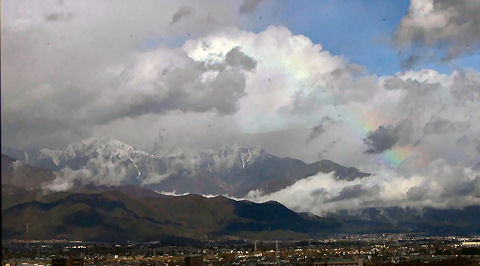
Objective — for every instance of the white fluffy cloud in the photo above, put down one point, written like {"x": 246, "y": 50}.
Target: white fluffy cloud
{"x": 450, "y": 26}
{"x": 439, "y": 185}
{"x": 288, "y": 67}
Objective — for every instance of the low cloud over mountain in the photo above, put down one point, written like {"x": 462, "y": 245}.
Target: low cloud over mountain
{"x": 228, "y": 171}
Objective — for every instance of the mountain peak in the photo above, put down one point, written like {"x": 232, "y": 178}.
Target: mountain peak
{"x": 235, "y": 169}
{"x": 102, "y": 142}
{"x": 105, "y": 146}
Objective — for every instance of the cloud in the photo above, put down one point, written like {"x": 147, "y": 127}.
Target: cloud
{"x": 381, "y": 139}
{"x": 410, "y": 61}
{"x": 234, "y": 86}
{"x": 73, "y": 98}
{"x": 465, "y": 86}
{"x": 156, "y": 81}
{"x": 236, "y": 57}
{"x": 248, "y": 6}
{"x": 464, "y": 188}
{"x": 59, "y": 16}
{"x": 354, "y": 191}
{"x": 181, "y": 13}
{"x": 278, "y": 87}
{"x": 439, "y": 125}
{"x": 450, "y": 27}
{"x": 17, "y": 165}
{"x": 317, "y": 130}
{"x": 171, "y": 80}
{"x": 439, "y": 185}
{"x": 384, "y": 138}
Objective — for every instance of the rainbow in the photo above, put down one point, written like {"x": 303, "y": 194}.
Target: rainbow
{"x": 298, "y": 71}
{"x": 363, "y": 123}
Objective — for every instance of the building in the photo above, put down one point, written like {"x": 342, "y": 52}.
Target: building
{"x": 193, "y": 261}
{"x": 68, "y": 262}
{"x": 471, "y": 244}
{"x": 341, "y": 262}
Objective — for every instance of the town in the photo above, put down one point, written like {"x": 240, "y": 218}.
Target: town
{"x": 364, "y": 249}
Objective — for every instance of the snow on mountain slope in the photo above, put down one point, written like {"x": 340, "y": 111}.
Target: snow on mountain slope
{"x": 231, "y": 170}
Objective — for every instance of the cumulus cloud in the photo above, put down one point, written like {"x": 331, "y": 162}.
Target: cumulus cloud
{"x": 170, "y": 80}
{"x": 451, "y": 27}
{"x": 289, "y": 69}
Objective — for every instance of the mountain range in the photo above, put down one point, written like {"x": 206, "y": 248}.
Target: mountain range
{"x": 112, "y": 197}
{"x": 230, "y": 171}
{"x": 131, "y": 213}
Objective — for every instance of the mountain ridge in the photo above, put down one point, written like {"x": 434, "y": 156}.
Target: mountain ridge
{"x": 133, "y": 213}
{"x": 230, "y": 170}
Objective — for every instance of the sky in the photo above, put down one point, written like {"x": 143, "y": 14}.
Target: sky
{"x": 389, "y": 87}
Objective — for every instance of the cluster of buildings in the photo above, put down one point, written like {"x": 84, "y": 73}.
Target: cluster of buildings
{"x": 339, "y": 250}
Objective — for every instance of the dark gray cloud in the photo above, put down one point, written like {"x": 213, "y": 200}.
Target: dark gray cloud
{"x": 477, "y": 167}
{"x": 417, "y": 193}
{"x": 181, "y": 13}
{"x": 463, "y": 140}
{"x": 466, "y": 86}
{"x": 439, "y": 125}
{"x": 451, "y": 27}
{"x": 385, "y": 137}
{"x": 236, "y": 57}
{"x": 318, "y": 130}
{"x": 318, "y": 192}
{"x": 462, "y": 188}
{"x": 72, "y": 89}
{"x": 21, "y": 125}
{"x": 184, "y": 88}
{"x": 355, "y": 191}
{"x": 411, "y": 85}
{"x": 394, "y": 84}
{"x": 381, "y": 139}
{"x": 410, "y": 61}
{"x": 248, "y": 6}
{"x": 60, "y": 16}
{"x": 346, "y": 72}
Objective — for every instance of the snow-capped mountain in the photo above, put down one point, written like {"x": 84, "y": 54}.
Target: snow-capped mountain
{"x": 231, "y": 170}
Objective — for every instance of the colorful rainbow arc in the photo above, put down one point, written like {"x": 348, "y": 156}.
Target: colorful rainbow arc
{"x": 364, "y": 123}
